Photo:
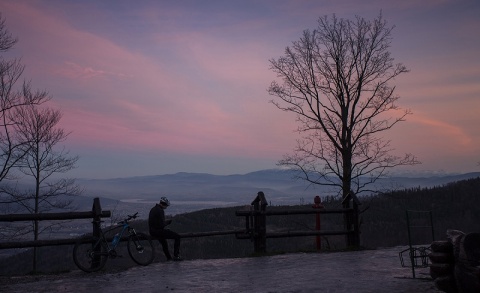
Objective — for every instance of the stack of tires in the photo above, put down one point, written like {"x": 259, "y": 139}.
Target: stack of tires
{"x": 442, "y": 266}
{"x": 455, "y": 263}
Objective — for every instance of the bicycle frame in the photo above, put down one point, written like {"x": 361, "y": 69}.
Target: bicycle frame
{"x": 110, "y": 245}
{"x": 125, "y": 227}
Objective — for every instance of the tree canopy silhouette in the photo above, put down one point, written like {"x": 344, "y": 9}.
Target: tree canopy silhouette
{"x": 336, "y": 80}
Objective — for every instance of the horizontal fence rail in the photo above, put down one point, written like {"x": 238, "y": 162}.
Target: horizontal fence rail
{"x": 52, "y": 216}
{"x": 294, "y": 212}
{"x": 58, "y": 242}
{"x": 307, "y": 233}
{"x": 299, "y": 234}
{"x": 212, "y": 233}
{"x": 37, "y": 243}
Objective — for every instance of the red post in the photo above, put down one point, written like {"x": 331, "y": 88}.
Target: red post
{"x": 317, "y": 205}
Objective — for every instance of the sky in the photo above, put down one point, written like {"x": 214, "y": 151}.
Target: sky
{"x": 160, "y": 87}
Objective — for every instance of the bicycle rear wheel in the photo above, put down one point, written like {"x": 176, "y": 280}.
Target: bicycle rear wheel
{"x": 89, "y": 254}
{"x": 140, "y": 248}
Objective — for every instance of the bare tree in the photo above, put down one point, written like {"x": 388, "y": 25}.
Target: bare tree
{"x": 43, "y": 160}
{"x": 335, "y": 79}
{"x": 12, "y": 149}
{"x": 28, "y": 141}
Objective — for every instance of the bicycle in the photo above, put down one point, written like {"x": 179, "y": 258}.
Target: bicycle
{"x": 90, "y": 254}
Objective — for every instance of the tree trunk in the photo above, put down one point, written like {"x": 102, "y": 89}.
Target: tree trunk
{"x": 35, "y": 224}
{"x": 346, "y": 186}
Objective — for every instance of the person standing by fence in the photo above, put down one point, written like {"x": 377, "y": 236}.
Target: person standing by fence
{"x": 157, "y": 224}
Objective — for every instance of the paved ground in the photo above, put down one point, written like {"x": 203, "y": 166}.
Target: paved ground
{"x": 357, "y": 271}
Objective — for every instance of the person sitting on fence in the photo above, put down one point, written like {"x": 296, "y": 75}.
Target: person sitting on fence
{"x": 157, "y": 224}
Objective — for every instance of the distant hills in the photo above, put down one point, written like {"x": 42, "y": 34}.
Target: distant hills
{"x": 195, "y": 191}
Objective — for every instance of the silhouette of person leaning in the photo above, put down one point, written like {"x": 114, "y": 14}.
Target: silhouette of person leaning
{"x": 156, "y": 226}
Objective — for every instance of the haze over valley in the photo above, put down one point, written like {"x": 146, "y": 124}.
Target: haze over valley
{"x": 195, "y": 191}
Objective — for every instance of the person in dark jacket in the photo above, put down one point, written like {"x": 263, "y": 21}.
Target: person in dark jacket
{"x": 156, "y": 226}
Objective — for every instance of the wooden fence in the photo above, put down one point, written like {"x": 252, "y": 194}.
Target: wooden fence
{"x": 96, "y": 214}
{"x": 256, "y": 228}
{"x": 255, "y": 224}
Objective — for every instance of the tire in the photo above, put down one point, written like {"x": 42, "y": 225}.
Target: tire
{"x": 442, "y": 246}
{"x": 90, "y": 255}
{"x": 441, "y": 257}
{"x": 441, "y": 269}
{"x": 140, "y": 248}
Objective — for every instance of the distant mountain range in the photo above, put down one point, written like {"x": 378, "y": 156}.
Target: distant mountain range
{"x": 198, "y": 191}
{"x": 201, "y": 190}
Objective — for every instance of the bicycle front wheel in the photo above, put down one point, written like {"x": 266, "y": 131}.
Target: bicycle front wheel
{"x": 89, "y": 254}
{"x": 140, "y": 248}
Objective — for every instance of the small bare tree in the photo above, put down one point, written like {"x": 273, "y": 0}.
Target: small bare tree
{"x": 335, "y": 79}
{"x": 43, "y": 160}
{"x": 27, "y": 140}
{"x": 12, "y": 149}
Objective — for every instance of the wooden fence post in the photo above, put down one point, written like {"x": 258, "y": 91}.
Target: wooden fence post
{"x": 356, "y": 225}
{"x": 351, "y": 220}
{"x": 260, "y": 223}
{"x": 318, "y": 205}
{"x": 97, "y": 212}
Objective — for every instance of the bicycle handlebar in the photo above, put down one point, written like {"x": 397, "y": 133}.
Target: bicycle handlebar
{"x": 129, "y": 217}
{"x": 133, "y": 217}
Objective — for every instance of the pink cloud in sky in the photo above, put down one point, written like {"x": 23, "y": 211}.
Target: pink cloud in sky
{"x": 75, "y": 71}
{"x": 456, "y": 135}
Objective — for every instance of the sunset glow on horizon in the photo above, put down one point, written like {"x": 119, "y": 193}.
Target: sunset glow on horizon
{"x": 157, "y": 87}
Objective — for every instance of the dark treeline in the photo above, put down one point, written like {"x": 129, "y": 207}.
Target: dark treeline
{"x": 383, "y": 224}
{"x": 454, "y": 206}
